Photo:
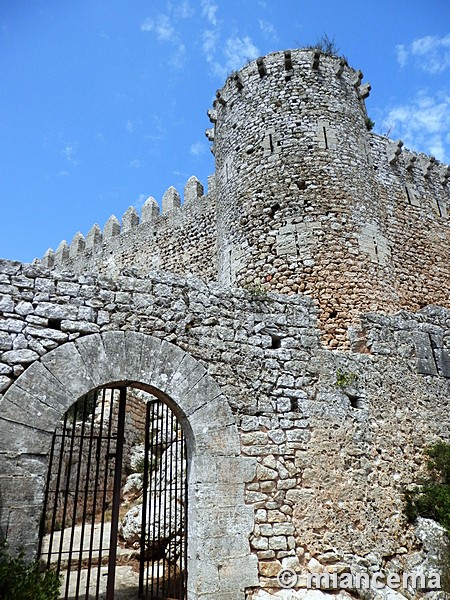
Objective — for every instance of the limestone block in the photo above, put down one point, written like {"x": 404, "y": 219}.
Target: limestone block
{"x": 49, "y": 258}
{"x": 193, "y": 190}
{"x": 239, "y": 573}
{"x": 186, "y": 377}
{"x": 219, "y": 442}
{"x": 364, "y": 90}
{"x": 50, "y": 310}
{"x": 111, "y": 228}
{"x": 5, "y": 382}
{"x": 394, "y": 149}
{"x": 21, "y": 357}
{"x": 204, "y": 391}
{"x": 326, "y": 135}
{"x": 150, "y": 210}
{"x": 66, "y": 364}
{"x": 373, "y": 243}
{"x": 427, "y": 166}
{"x": 340, "y": 68}
{"x": 412, "y": 195}
{"x": 444, "y": 174}
{"x": 77, "y": 245}
{"x": 94, "y": 237}
{"x": 115, "y": 350}
{"x": 426, "y": 364}
{"x": 171, "y": 200}
{"x": 39, "y": 382}
{"x": 62, "y": 253}
{"x": 215, "y": 413}
{"x": 130, "y": 219}
{"x": 20, "y": 406}
{"x": 23, "y": 439}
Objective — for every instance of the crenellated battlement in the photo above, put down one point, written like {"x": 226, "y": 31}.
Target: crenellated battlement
{"x": 309, "y": 200}
{"x": 145, "y": 238}
{"x": 305, "y": 199}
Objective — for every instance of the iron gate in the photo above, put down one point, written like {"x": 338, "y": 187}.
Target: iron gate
{"x": 84, "y": 498}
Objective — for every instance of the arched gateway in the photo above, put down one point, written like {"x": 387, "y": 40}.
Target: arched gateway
{"x": 219, "y": 562}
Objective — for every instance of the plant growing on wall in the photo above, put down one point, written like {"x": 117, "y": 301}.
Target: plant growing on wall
{"x": 326, "y": 45}
{"x": 431, "y": 499}
{"x": 21, "y": 579}
{"x": 344, "y": 379}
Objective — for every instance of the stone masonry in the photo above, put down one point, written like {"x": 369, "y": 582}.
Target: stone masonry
{"x": 296, "y": 319}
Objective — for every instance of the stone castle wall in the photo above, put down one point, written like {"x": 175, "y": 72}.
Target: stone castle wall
{"x": 331, "y": 458}
{"x": 305, "y": 199}
{"x": 182, "y": 239}
{"x": 309, "y": 201}
{"x": 313, "y": 230}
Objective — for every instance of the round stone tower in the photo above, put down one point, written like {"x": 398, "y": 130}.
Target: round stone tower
{"x": 297, "y": 209}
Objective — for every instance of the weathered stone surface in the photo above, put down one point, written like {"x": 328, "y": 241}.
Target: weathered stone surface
{"x": 298, "y": 449}
{"x": 21, "y": 357}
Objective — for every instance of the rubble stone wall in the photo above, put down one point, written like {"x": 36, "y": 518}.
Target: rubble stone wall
{"x": 180, "y": 239}
{"x": 335, "y": 436}
{"x": 310, "y": 201}
{"x": 305, "y": 199}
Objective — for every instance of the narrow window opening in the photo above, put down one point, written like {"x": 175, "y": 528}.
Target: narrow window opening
{"x": 276, "y": 341}
{"x": 301, "y": 184}
{"x": 325, "y": 137}
{"x": 355, "y": 402}
{"x": 294, "y": 404}
{"x": 333, "y": 314}
{"x": 439, "y": 208}
{"x": 408, "y": 196}
{"x": 54, "y": 324}
{"x": 271, "y": 142}
{"x": 273, "y": 209}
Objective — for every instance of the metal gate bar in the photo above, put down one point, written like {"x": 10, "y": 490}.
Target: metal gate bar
{"x": 163, "y": 572}
{"x": 79, "y": 528}
{"x": 116, "y": 497}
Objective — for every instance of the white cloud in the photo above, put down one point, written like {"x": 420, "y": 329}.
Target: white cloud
{"x": 209, "y": 10}
{"x": 183, "y": 10}
{"x": 147, "y": 25}
{"x": 135, "y": 164}
{"x": 198, "y": 149}
{"x": 162, "y": 26}
{"x": 238, "y": 51}
{"x": 430, "y": 53}
{"x": 129, "y": 126}
{"x": 210, "y": 38}
{"x": 423, "y": 124}
{"x": 70, "y": 152}
{"x": 402, "y": 55}
{"x": 165, "y": 31}
{"x": 268, "y": 30}
{"x": 63, "y": 174}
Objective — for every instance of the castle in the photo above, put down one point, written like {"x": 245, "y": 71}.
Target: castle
{"x": 295, "y": 318}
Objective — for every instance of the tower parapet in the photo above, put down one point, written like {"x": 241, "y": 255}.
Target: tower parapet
{"x": 301, "y": 189}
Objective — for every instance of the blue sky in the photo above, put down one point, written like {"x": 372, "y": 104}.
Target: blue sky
{"x": 103, "y": 102}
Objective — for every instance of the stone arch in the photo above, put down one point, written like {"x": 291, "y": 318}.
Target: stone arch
{"x": 220, "y": 563}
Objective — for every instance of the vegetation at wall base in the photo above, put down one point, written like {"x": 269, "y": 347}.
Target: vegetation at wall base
{"x": 22, "y": 579}
{"x": 431, "y": 500}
